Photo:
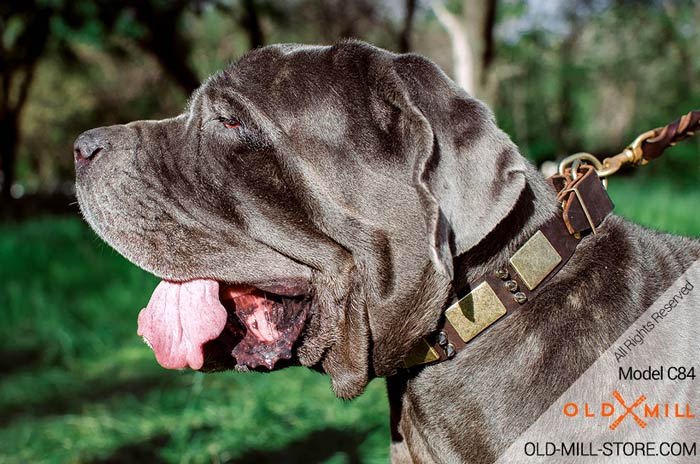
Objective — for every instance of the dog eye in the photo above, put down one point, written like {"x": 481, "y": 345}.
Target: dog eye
{"x": 230, "y": 123}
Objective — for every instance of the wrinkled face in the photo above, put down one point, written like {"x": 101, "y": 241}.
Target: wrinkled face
{"x": 285, "y": 210}
{"x": 241, "y": 205}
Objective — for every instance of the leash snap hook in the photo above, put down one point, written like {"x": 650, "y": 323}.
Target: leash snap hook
{"x": 632, "y": 154}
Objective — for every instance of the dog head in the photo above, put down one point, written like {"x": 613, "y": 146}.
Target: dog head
{"x": 306, "y": 208}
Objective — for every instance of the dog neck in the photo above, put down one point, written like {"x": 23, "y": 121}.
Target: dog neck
{"x": 537, "y": 207}
{"x": 513, "y": 263}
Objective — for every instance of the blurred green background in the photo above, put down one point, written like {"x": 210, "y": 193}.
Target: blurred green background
{"x": 78, "y": 385}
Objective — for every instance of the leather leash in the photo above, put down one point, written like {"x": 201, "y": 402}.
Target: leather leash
{"x": 647, "y": 147}
{"x": 581, "y": 191}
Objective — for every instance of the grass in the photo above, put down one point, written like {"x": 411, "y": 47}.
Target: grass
{"x": 77, "y": 384}
{"x": 657, "y": 203}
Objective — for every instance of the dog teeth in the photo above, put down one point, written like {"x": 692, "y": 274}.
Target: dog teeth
{"x": 145, "y": 340}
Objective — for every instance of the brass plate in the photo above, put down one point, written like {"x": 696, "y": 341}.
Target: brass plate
{"x": 421, "y": 354}
{"x": 535, "y": 260}
{"x": 476, "y": 311}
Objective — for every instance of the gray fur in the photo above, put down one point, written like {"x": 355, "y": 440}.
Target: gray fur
{"x": 371, "y": 180}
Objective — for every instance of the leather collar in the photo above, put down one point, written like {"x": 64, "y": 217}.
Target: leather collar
{"x": 497, "y": 294}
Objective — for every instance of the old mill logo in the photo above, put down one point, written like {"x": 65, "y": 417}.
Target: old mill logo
{"x": 640, "y": 411}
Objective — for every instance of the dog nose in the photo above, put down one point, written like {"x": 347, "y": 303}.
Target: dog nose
{"x": 89, "y": 145}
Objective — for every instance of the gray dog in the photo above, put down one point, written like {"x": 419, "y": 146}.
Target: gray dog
{"x": 322, "y": 206}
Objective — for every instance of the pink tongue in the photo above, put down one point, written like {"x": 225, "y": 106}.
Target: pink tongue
{"x": 179, "y": 319}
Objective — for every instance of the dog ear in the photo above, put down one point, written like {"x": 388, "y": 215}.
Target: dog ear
{"x": 400, "y": 171}
{"x": 468, "y": 173}
{"x": 466, "y": 176}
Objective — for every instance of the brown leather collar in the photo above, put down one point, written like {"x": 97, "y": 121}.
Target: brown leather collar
{"x": 495, "y": 295}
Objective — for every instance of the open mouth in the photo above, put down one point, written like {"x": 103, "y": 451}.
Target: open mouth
{"x": 208, "y": 325}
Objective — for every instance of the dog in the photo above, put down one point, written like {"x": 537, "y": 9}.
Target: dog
{"x": 322, "y": 205}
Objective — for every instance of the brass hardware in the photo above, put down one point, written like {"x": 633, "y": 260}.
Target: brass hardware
{"x": 520, "y": 297}
{"x": 583, "y": 156}
{"x": 422, "y": 353}
{"x": 535, "y": 260}
{"x": 584, "y": 207}
{"x": 576, "y": 160}
{"x": 502, "y": 274}
{"x": 476, "y": 311}
{"x": 511, "y": 286}
{"x": 442, "y": 338}
{"x": 631, "y": 155}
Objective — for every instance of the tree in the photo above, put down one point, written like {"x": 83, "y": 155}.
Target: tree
{"x": 471, "y": 34}
{"x": 248, "y": 18}
{"x": 251, "y": 23}
{"x": 163, "y": 37}
{"x": 405, "y": 33}
{"x": 24, "y": 31}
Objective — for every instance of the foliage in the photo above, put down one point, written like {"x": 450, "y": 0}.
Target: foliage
{"x": 76, "y": 383}
{"x": 607, "y": 76}
{"x": 587, "y": 77}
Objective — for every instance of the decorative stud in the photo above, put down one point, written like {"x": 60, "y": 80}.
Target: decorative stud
{"x": 512, "y": 286}
{"x": 535, "y": 260}
{"x": 442, "y": 338}
{"x": 450, "y": 350}
{"x": 477, "y": 310}
{"x": 502, "y": 274}
{"x": 520, "y": 297}
{"x": 422, "y": 353}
